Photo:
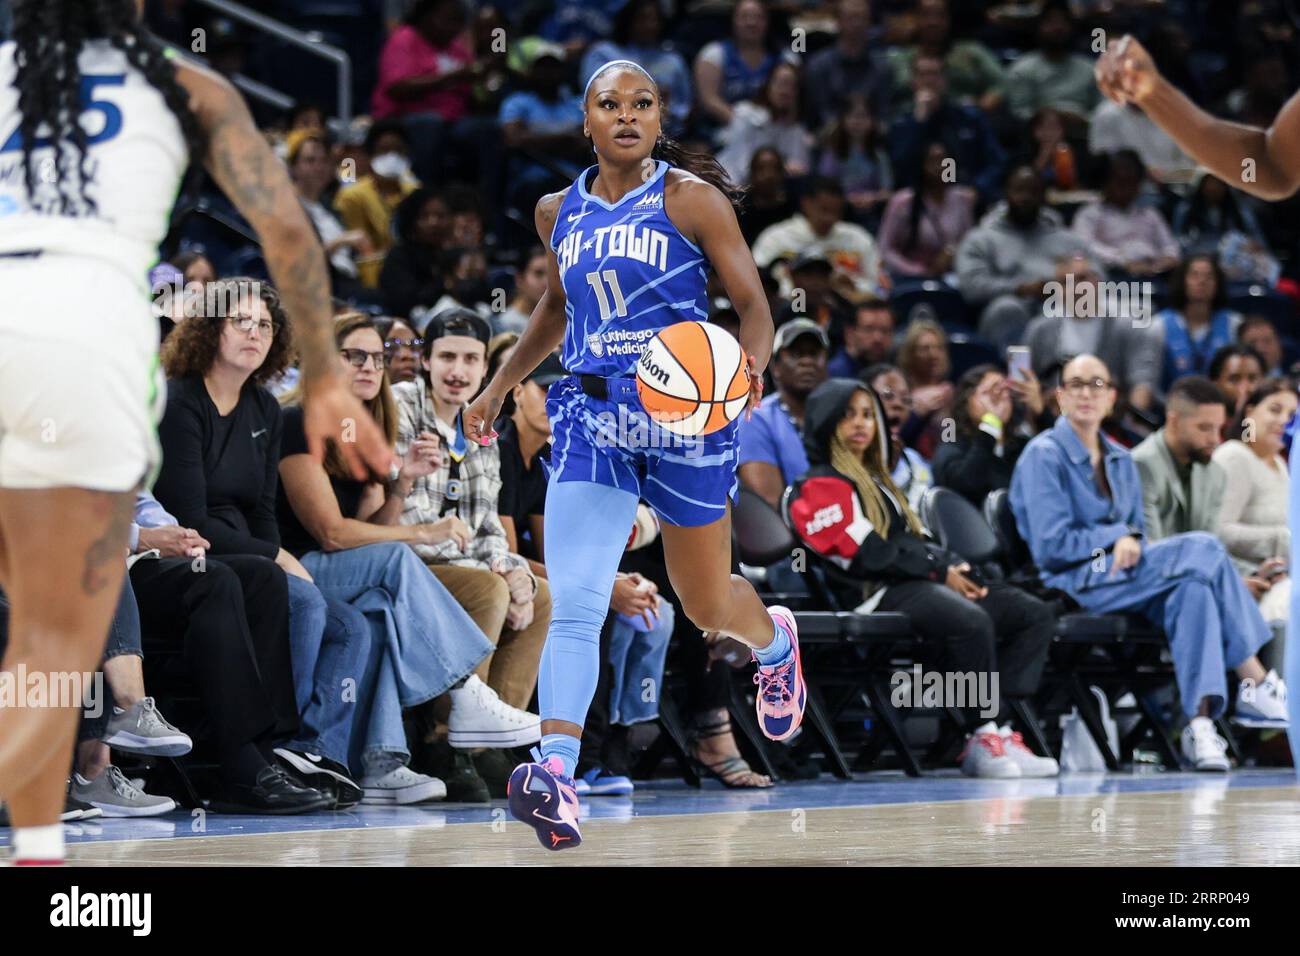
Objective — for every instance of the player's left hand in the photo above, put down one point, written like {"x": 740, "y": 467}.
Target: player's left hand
{"x": 1125, "y": 72}
{"x": 755, "y": 387}
{"x": 330, "y": 410}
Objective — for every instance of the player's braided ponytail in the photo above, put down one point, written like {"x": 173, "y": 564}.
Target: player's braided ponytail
{"x": 700, "y": 164}
{"x": 48, "y": 37}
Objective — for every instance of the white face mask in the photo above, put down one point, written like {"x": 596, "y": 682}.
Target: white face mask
{"x": 391, "y": 165}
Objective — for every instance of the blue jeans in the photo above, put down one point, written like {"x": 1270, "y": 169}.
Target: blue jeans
{"x": 329, "y": 641}
{"x": 1188, "y": 585}
{"x": 637, "y": 661}
{"x": 422, "y": 643}
{"x": 124, "y": 632}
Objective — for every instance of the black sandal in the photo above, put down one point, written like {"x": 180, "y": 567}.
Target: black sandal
{"x": 728, "y": 771}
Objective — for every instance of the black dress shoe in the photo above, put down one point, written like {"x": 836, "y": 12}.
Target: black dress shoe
{"x": 323, "y": 774}
{"x": 452, "y": 767}
{"x": 275, "y": 793}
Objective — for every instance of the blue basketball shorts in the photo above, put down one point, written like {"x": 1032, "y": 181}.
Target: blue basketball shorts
{"x": 613, "y": 442}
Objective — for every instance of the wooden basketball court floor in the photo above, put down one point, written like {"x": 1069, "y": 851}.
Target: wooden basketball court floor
{"x": 1249, "y": 817}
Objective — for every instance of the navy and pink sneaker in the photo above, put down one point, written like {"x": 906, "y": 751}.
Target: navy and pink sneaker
{"x": 542, "y": 796}
{"x": 782, "y": 693}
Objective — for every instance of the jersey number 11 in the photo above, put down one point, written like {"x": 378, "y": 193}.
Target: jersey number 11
{"x": 610, "y": 276}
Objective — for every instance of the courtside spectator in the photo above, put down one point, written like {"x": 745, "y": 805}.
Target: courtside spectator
{"x": 465, "y": 285}
{"x": 1077, "y": 500}
{"x": 229, "y": 617}
{"x": 524, "y": 442}
{"x": 510, "y": 604}
{"x": 994, "y": 417}
{"x": 924, "y": 224}
{"x": 346, "y": 533}
{"x": 849, "y": 511}
{"x": 1005, "y": 263}
{"x": 908, "y": 467}
{"x": 1236, "y": 369}
{"x": 868, "y": 340}
{"x": 1252, "y": 520}
{"x": 1197, "y": 322}
{"x": 771, "y": 442}
{"x": 1049, "y": 153}
{"x": 542, "y": 120}
{"x": 195, "y": 267}
{"x": 814, "y": 295}
{"x": 977, "y": 160}
{"x": 220, "y": 437}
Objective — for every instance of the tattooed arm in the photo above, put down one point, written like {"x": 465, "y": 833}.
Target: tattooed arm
{"x": 241, "y": 162}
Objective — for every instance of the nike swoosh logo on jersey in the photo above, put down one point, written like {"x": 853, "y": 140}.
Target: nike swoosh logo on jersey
{"x": 259, "y": 433}
{"x": 575, "y": 218}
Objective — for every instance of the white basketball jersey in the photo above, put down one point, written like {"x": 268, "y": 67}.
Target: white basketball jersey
{"x": 136, "y": 158}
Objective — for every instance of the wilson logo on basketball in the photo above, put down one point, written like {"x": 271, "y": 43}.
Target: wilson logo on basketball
{"x": 653, "y": 369}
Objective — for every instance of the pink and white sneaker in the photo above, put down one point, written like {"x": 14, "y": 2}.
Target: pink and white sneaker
{"x": 540, "y": 795}
{"x": 782, "y": 693}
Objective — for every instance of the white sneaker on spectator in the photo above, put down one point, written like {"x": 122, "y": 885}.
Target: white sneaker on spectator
{"x": 1030, "y": 764}
{"x": 1203, "y": 747}
{"x": 1262, "y": 704}
{"x": 401, "y": 786}
{"x": 986, "y": 755}
{"x": 142, "y": 730}
{"x": 479, "y": 718}
{"x": 116, "y": 796}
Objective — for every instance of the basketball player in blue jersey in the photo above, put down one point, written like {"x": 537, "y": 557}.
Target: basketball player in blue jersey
{"x": 630, "y": 245}
{"x": 97, "y": 126}
{"x": 1264, "y": 163}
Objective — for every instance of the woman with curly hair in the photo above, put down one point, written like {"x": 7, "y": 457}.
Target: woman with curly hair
{"x": 221, "y": 443}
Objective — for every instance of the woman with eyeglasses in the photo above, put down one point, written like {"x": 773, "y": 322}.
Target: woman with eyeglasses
{"x": 346, "y": 534}
{"x": 907, "y": 466}
{"x": 1077, "y": 500}
{"x": 220, "y": 436}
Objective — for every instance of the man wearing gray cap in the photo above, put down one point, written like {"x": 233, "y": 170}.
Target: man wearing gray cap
{"x": 771, "y": 443}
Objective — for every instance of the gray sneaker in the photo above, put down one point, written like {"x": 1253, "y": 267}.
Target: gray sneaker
{"x": 142, "y": 730}
{"x": 115, "y": 795}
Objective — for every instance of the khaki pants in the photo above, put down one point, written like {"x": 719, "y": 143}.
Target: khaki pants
{"x": 511, "y": 670}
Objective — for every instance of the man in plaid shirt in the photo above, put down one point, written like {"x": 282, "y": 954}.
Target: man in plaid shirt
{"x": 496, "y": 588}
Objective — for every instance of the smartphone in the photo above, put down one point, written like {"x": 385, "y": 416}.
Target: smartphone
{"x": 1017, "y": 362}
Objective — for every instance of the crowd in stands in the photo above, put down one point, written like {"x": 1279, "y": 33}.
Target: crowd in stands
{"x": 929, "y": 183}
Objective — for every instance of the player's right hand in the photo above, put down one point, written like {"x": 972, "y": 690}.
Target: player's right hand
{"x": 477, "y": 419}
{"x": 1125, "y": 72}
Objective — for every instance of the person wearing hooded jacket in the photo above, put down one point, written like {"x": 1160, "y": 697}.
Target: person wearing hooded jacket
{"x": 848, "y": 510}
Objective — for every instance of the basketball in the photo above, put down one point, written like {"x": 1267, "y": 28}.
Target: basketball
{"x": 693, "y": 378}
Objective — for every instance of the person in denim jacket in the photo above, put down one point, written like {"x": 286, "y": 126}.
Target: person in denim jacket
{"x": 1077, "y": 501}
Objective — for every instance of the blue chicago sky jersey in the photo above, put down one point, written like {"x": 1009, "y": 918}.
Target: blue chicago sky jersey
{"x": 627, "y": 273}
